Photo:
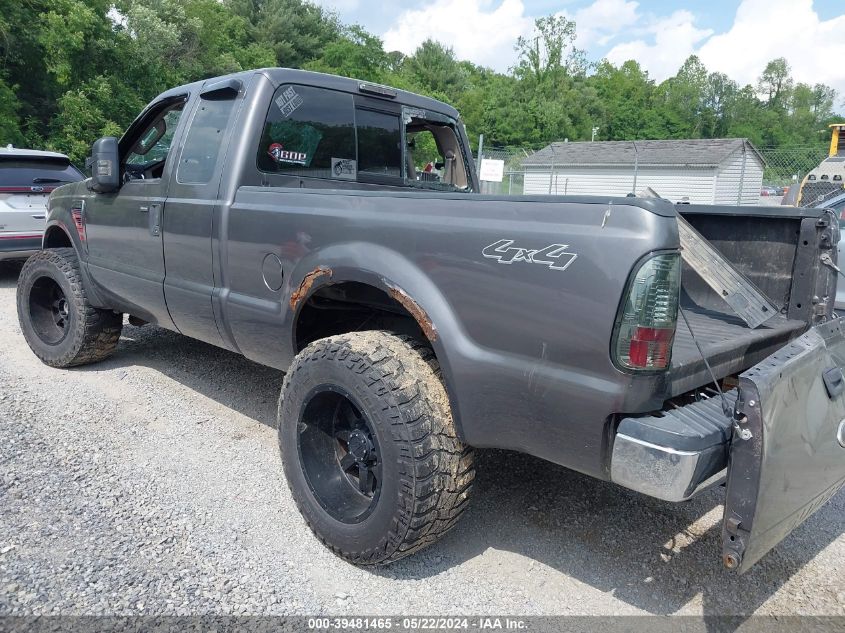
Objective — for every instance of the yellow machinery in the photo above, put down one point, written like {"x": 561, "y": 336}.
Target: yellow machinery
{"x": 837, "y": 140}
{"x": 828, "y": 179}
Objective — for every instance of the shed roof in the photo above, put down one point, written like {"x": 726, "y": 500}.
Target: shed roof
{"x": 693, "y": 152}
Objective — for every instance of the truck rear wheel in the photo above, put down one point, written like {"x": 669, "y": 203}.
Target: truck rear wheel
{"x": 369, "y": 447}
{"x": 60, "y": 325}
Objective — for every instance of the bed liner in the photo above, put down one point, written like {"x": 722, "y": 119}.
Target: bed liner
{"x": 729, "y": 344}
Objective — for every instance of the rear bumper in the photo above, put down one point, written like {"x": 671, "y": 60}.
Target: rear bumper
{"x": 664, "y": 472}
{"x": 675, "y": 454}
{"x": 780, "y": 449}
{"x": 19, "y": 245}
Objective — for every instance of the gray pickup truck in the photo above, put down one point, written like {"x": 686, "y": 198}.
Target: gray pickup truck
{"x": 333, "y": 229}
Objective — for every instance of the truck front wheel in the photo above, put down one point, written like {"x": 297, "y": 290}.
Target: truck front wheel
{"x": 61, "y": 327}
{"x": 369, "y": 447}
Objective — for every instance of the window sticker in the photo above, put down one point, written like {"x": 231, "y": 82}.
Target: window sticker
{"x": 344, "y": 168}
{"x": 288, "y": 101}
{"x": 279, "y": 154}
{"x": 296, "y": 138}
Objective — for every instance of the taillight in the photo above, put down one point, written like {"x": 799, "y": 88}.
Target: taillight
{"x": 646, "y": 325}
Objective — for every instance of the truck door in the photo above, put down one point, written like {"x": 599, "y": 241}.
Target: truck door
{"x": 189, "y": 217}
{"x": 124, "y": 227}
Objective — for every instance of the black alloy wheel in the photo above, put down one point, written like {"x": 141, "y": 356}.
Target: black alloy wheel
{"x": 49, "y": 310}
{"x": 340, "y": 454}
{"x": 369, "y": 447}
{"x": 60, "y": 324}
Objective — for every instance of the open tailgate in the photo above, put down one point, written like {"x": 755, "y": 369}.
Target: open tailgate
{"x": 787, "y": 455}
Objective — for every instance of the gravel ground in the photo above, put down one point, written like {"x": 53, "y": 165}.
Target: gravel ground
{"x": 151, "y": 483}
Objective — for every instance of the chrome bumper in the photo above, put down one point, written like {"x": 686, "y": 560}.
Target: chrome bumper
{"x": 676, "y": 453}
{"x": 663, "y": 472}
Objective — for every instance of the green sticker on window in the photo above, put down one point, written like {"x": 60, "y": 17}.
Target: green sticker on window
{"x": 296, "y": 139}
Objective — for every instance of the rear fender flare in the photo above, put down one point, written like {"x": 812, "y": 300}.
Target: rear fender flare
{"x": 397, "y": 276}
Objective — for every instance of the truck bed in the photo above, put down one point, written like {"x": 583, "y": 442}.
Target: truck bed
{"x": 729, "y": 344}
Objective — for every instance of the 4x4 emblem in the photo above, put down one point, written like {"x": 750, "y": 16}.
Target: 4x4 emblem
{"x": 555, "y": 256}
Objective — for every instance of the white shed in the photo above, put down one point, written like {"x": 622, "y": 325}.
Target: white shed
{"x": 703, "y": 171}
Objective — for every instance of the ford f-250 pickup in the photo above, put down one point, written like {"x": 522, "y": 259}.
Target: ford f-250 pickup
{"x": 333, "y": 229}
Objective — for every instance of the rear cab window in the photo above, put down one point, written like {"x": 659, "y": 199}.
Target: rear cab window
{"x": 433, "y": 155}
{"x": 309, "y": 132}
{"x": 379, "y": 145}
{"x": 312, "y": 132}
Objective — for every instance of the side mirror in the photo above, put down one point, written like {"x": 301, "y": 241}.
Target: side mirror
{"x": 105, "y": 165}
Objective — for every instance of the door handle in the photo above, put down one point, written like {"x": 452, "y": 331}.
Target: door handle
{"x": 145, "y": 209}
{"x": 155, "y": 219}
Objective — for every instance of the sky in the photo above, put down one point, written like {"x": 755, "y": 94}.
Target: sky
{"x": 736, "y": 37}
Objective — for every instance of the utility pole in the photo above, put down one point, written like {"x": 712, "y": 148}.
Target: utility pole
{"x": 636, "y": 166}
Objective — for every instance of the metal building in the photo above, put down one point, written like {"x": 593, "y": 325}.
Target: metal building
{"x": 704, "y": 171}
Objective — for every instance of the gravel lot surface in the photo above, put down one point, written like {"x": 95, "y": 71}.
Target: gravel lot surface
{"x": 151, "y": 483}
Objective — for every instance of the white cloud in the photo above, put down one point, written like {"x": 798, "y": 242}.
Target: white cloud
{"x": 762, "y": 30}
{"x": 675, "y": 38}
{"x": 601, "y": 21}
{"x": 766, "y": 29}
{"x": 479, "y": 30}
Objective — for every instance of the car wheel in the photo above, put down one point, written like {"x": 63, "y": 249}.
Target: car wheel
{"x": 58, "y": 322}
{"x": 369, "y": 447}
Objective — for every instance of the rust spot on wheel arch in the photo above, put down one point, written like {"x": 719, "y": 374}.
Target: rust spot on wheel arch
{"x": 420, "y": 315}
{"x": 305, "y": 285}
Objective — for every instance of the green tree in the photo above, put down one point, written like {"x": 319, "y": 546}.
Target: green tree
{"x": 71, "y": 70}
{"x": 434, "y": 67}
{"x": 680, "y": 101}
{"x": 776, "y": 83}
{"x": 10, "y": 125}
{"x": 296, "y": 31}
{"x": 626, "y": 95}
{"x": 549, "y": 52}
{"x": 355, "y": 54}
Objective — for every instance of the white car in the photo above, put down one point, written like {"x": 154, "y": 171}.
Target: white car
{"x": 27, "y": 177}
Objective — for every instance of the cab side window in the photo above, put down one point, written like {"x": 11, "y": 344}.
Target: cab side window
{"x": 309, "y": 132}
{"x": 203, "y": 145}
{"x": 148, "y": 155}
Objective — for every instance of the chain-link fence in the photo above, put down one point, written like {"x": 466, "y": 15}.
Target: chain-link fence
{"x": 749, "y": 176}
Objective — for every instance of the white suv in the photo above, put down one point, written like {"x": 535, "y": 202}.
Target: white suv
{"x": 27, "y": 177}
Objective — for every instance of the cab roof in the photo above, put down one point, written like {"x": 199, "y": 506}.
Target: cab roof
{"x": 280, "y": 76}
